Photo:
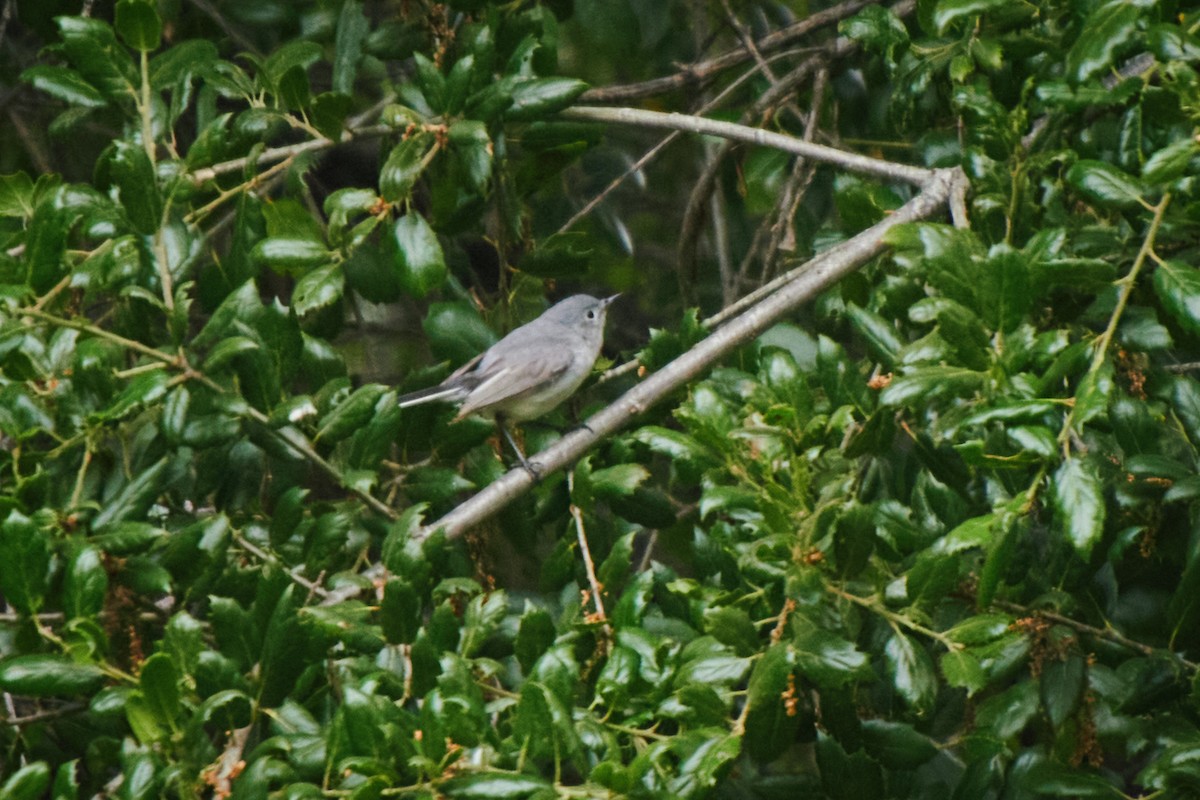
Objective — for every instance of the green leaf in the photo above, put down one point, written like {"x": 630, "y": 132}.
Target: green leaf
{"x": 948, "y": 11}
{"x": 352, "y": 30}
{"x": 66, "y": 782}
{"x": 400, "y": 612}
{"x": 962, "y": 670}
{"x": 226, "y": 351}
{"x": 134, "y": 498}
{"x": 828, "y": 660}
{"x": 770, "y": 724}
{"x": 128, "y": 167}
{"x": 181, "y": 60}
{"x": 922, "y": 384}
{"x": 16, "y": 196}
{"x": 404, "y": 166}
{"x": 138, "y": 24}
{"x": 65, "y": 84}
{"x": 534, "y": 636}
{"x": 1170, "y": 162}
{"x": 619, "y": 480}
{"x": 350, "y": 414}
{"x": 320, "y": 288}
{"x": 541, "y": 97}
{"x": 93, "y": 50}
{"x": 85, "y": 583}
{"x": 1050, "y": 779}
{"x": 1106, "y": 30}
{"x": 897, "y": 745}
{"x": 39, "y": 675}
{"x": 25, "y": 554}
{"x": 880, "y": 335}
{"x": 912, "y": 673}
{"x": 1178, "y": 287}
{"x": 472, "y": 147}
{"x": 30, "y": 782}
{"x": 1079, "y": 504}
{"x": 420, "y": 264}
{"x": 1105, "y": 185}
{"x": 1063, "y": 682}
{"x": 159, "y": 682}
{"x": 289, "y": 256}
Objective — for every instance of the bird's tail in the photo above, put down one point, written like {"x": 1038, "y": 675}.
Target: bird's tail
{"x": 433, "y": 394}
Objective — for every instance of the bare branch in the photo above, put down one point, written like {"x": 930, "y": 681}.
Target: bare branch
{"x": 852, "y": 162}
{"x": 704, "y": 71}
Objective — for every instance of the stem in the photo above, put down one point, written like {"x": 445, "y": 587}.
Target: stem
{"x": 597, "y": 599}
{"x": 1127, "y": 284}
{"x": 872, "y": 604}
{"x": 86, "y": 327}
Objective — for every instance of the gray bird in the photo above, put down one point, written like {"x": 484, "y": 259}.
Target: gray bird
{"x": 528, "y": 372}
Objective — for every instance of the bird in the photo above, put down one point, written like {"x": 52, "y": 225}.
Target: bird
{"x": 529, "y": 372}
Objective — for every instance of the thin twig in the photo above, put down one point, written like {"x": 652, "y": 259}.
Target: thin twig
{"x": 44, "y": 714}
{"x": 662, "y": 144}
{"x": 590, "y": 567}
{"x": 271, "y": 558}
{"x": 704, "y": 71}
{"x": 273, "y": 154}
{"x": 1110, "y": 634}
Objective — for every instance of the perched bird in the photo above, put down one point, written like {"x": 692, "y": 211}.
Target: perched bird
{"x": 528, "y": 372}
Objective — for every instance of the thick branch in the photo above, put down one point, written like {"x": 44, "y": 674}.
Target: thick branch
{"x": 814, "y": 278}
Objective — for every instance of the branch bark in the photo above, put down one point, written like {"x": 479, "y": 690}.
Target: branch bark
{"x": 810, "y": 280}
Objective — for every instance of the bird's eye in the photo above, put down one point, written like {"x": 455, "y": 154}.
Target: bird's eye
{"x": 591, "y": 315}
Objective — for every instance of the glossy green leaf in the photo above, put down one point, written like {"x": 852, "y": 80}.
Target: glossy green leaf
{"x": 404, "y": 166}
{"x": 39, "y": 675}
{"x": 912, "y": 673}
{"x": 25, "y": 550}
{"x": 1107, "y": 29}
{"x": 138, "y": 24}
{"x": 1079, "y": 504}
{"x": 352, "y": 30}
{"x": 159, "y": 682}
{"x": 420, "y": 264}
{"x": 85, "y": 583}
{"x": 949, "y": 11}
{"x": 134, "y": 497}
{"x": 93, "y": 50}
{"x": 65, "y": 84}
{"x": 770, "y": 722}
{"x": 290, "y": 256}
{"x": 1105, "y": 185}
{"x": 896, "y": 744}
{"x": 1178, "y": 287}
{"x": 318, "y": 289}
{"x": 29, "y": 782}
{"x": 541, "y": 97}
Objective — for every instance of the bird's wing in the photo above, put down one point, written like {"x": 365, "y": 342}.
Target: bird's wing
{"x": 504, "y": 377}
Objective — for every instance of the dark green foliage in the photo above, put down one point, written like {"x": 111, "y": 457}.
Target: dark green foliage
{"x": 937, "y": 538}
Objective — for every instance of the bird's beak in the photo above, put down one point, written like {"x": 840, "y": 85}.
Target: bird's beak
{"x": 606, "y": 302}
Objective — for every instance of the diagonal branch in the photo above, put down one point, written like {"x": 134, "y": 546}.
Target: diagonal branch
{"x": 813, "y": 278}
{"x": 704, "y": 71}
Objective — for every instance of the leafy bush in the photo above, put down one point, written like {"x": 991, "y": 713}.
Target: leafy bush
{"x": 934, "y": 538}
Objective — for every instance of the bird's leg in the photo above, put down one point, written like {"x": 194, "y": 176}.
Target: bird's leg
{"x": 517, "y": 449}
